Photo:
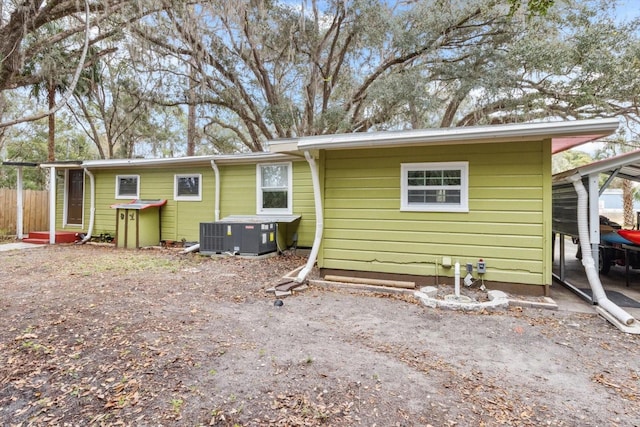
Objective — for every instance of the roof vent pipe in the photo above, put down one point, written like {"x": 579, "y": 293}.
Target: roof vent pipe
{"x": 599, "y": 296}
{"x": 319, "y": 219}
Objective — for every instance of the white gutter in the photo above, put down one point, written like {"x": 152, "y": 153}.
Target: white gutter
{"x": 244, "y": 158}
{"x": 52, "y": 205}
{"x": 92, "y": 207}
{"x": 319, "y": 220}
{"x": 216, "y": 208}
{"x": 585, "y": 130}
{"x": 599, "y": 296}
{"x": 19, "y": 212}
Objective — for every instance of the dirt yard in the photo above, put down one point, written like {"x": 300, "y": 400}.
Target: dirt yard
{"x": 96, "y": 336}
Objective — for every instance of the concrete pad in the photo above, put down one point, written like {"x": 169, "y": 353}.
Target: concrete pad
{"x": 18, "y": 245}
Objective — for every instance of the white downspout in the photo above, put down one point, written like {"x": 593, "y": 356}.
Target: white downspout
{"x": 52, "y": 205}
{"x": 599, "y": 296}
{"x": 92, "y": 207}
{"x": 319, "y": 219}
{"x": 19, "y": 213}
{"x": 216, "y": 208}
{"x": 216, "y": 205}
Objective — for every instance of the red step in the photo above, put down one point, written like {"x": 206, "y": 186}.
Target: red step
{"x": 42, "y": 237}
{"x": 36, "y": 241}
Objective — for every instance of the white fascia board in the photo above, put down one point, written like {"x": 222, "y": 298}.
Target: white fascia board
{"x": 193, "y": 160}
{"x": 61, "y": 165}
{"x": 462, "y": 135}
{"x": 115, "y": 163}
{"x": 255, "y": 158}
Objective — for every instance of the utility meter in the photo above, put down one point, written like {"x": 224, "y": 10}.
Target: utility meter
{"x": 482, "y": 267}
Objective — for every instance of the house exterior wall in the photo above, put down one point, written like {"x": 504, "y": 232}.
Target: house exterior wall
{"x": 508, "y": 223}
{"x": 181, "y": 219}
{"x": 238, "y": 197}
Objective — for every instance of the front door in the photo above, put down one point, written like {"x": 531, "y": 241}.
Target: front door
{"x": 75, "y": 194}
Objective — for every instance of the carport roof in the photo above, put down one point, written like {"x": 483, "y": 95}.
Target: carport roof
{"x": 626, "y": 166}
{"x": 12, "y": 163}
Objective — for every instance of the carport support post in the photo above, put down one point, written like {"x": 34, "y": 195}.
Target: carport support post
{"x": 562, "y": 259}
{"x": 52, "y": 205}
{"x": 19, "y": 225}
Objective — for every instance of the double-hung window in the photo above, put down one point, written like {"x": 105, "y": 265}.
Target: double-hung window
{"x": 274, "y": 188}
{"x": 187, "y": 187}
{"x": 435, "y": 187}
{"x": 127, "y": 187}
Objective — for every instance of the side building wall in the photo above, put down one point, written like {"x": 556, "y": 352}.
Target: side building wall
{"x": 181, "y": 219}
{"x": 238, "y": 197}
{"x": 508, "y": 223}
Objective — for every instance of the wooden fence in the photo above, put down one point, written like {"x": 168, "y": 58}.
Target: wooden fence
{"x": 35, "y": 209}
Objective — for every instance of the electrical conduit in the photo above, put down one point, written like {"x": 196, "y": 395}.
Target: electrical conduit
{"x": 599, "y": 296}
{"x": 319, "y": 220}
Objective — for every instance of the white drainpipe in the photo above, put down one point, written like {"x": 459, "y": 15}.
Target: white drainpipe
{"x": 319, "y": 219}
{"x": 216, "y": 212}
{"x": 599, "y": 296}
{"x": 92, "y": 208}
{"x": 216, "y": 207}
{"x": 52, "y": 205}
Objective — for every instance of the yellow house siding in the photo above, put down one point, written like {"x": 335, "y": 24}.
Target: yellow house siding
{"x": 239, "y": 197}
{"x": 60, "y": 184}
{"x": 506, "y": 223}
{"x": 303, "y": 204}
{"x": 181, "y": 219}
{"x": 237, "y": 190}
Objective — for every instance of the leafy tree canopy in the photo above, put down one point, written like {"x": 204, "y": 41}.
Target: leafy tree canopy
{"x": 264, "y": 69}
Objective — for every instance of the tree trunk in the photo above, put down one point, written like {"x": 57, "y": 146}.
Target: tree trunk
{"x": 191, "y": 119}
{"x": 51, "y": 142}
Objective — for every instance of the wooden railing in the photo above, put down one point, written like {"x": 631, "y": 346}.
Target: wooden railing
{"x": 35, "y": 209}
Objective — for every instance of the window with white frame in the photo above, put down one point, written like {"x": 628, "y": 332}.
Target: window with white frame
{"x": 127, "y": 187}
{"x": 435, "y": 187}
{"x": 188, "y": 187}
{"x": 274, "y": 188}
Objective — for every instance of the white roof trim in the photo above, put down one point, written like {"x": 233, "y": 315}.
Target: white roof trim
{"x": 591, "y": 129}
{"x": 171, "y": 161}
{"x": 145, "y": 162}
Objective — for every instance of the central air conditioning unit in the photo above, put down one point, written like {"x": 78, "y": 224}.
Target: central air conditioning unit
{"x": 241, "y": 238}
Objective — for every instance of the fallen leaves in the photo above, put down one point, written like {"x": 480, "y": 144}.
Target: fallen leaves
{"x": 166, "y": 341}
{"x": 627, "y": 389}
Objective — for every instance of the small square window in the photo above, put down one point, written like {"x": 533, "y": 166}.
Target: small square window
{"x": 434, "y": 187}
{"x": 127, "y": 187}
{"x": 274, "y": 183}
{"x": 188, "y": 187}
